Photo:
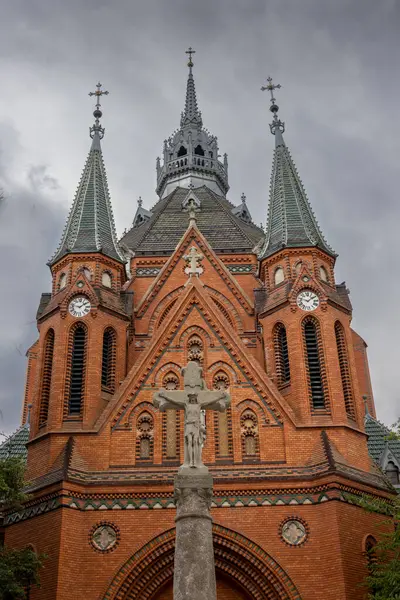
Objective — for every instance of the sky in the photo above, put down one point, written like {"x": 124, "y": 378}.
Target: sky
{"x": 337, "y": 62}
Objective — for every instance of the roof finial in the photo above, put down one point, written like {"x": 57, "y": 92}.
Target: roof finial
{"x": 276, "y": 123}
{"x": 190, "y": 51}
{"x": 243, "y": 198}
{"x": 140, "y": 201}
{"x": 365, "y": 400}
{"x": 97, "y": 128}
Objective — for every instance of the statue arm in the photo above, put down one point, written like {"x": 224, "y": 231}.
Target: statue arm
{"x": 219, "y": 402}
{"x": 163, "y": 401}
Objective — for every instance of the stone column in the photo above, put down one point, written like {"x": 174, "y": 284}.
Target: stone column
{"x": 194, "y": 569}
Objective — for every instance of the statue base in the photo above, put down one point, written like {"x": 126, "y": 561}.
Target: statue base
{"x": 194, "y": 569}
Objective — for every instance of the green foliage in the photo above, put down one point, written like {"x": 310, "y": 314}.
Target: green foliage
{"x": 395, "y": 433}
{"x": 18, "y": 570}
{"x": 12, "y": 482}
{"x": 383, "y": 580}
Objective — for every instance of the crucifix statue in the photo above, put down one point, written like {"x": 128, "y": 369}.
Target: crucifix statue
{"x": 193, "y": 258}
{"x": 193, "y": 399}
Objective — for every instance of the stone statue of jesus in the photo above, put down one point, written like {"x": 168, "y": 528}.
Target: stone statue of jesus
{"x": 193, "y": 399}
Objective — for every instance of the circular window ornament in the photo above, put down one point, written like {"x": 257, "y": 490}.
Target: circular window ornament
{"x": 294, "y": 532}
{"x": 104, "y": 537}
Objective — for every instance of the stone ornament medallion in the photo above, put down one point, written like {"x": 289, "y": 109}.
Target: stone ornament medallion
{"x": 294, "y": 532}
{"x": 104, "y": 537}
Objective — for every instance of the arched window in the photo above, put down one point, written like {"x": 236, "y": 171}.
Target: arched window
{"x": 279, "y": 276}
{"x": 48, "y": 351}
{"x": 281, "y": 354}
{"x": 199, "y": 150}
{"x": 323, "y": 273}
{"x": 106, "y": 279}
{"x": 144, "y": 437}
{"x": 62, "y": 282}
{"x": 170, "y": 421}
{"x": 344, "y": 369}
{"x": 315, "y": 364}
{"x": 249, "y": 430}
{"x": 182, "y": 151}
{"x": 392, "y": 472}
{"x": 298, "y": 267}
{"x": 108, "y": 360}
{"x": 370, "y": 552}
{"x": 76, "y": 367}
{"x": 87, "y": 273}
{"x": 195, "y": 348}
{"x": 223, "y": 421}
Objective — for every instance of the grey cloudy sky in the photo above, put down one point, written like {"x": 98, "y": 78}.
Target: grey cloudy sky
{"x": 337, "y": 62}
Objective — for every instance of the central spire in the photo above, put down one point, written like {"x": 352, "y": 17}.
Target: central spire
{"x": 191, "y": 113}
{"x": 191, "y": 152}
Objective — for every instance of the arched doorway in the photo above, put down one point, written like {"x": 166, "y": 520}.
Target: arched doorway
{"x": 244, "y": 571}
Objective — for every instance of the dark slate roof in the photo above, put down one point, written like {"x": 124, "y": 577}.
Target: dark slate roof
{"x": 15, "y": 445}
{"x": 163, "y": 231}
{"x": 377, "y": 433}
{"x": 90, "y": 226}
{"x": 291, "y": 221}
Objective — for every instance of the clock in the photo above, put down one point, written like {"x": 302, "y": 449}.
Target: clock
{"x": 307, "y": 300}
{"x": 79, "y": 306}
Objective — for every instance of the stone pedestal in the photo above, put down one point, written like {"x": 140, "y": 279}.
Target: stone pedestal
{"x": 194, "y": 569}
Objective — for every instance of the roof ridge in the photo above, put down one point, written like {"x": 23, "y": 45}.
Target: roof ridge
{"x": 232, "y": 217}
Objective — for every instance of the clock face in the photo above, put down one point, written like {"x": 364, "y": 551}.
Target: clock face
{"x": 79, "y": 306}
{"x": 307, "y": 300}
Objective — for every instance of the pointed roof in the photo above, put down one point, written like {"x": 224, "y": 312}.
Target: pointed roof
{"x": 223, "y": 230}
{"x": 378, "y": 438}
{"x": 90, "y": 226}
{"x": 291, "y": 222}
{"x": 191, "y": 114}
{"x": 15, "y": 445}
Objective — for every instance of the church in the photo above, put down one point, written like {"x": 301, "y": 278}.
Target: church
{"x": 195, "y": 279}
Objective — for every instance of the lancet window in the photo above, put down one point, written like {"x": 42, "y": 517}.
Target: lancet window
{"x": 281, "y": 354}
{"x": 323, "y": 274}
{"x": 62, "y": 282}
{"x": 108, "y": 364}
{"x": 106, "y": 279}
{"x": 144, "y": 436}
{"x": 76, "y": 368}
{"x": 171, "y": 421}
{"x": 279, "y": 275}
{"x": 48, "y": 352}
{"x": 223, "y": 421}
{"x": 344, "y": 369}
{"x": 250, "y": 440}
{"x": 315, "y": 364}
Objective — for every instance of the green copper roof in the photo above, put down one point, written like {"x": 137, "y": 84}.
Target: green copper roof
{"x": 291, "y": 222}
{"x": 377, "y": 439}
{"x": 90, "y": 226}
{"x": 15, "y": 445}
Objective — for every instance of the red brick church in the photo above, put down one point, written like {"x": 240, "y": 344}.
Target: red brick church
{"x": 195, "y": 279}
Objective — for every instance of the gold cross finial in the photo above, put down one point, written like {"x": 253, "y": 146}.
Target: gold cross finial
{"x": 271, "y": 87}
{"x": 190, "y": 51}
{"x": 98, "y": 93}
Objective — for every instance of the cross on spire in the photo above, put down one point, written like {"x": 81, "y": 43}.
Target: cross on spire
{"x": 271, "y": 87}
{"x": 276, "y": 123}
{"x": 97, "y": 113}
{"x": 190, "y": 51}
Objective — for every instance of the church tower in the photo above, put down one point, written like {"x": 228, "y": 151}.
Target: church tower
{"x": 195, "y": 279}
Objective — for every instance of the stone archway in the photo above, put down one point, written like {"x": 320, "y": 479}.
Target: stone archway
{"x": 239, "y": 563}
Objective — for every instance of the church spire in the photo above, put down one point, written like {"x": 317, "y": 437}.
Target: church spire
{"x": 191, "y": 153}
{"x": 90, "y": 226}
{"x": 191, "y": 113}
{"x": 291, "y": 222}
